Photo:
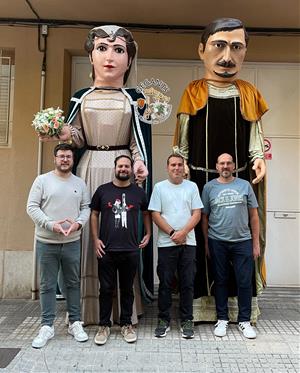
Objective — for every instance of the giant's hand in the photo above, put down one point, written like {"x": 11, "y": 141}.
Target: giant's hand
{"x": 65, "y": 135}
{"x": 259, "y": 167}
{"x": 140, "y": 171}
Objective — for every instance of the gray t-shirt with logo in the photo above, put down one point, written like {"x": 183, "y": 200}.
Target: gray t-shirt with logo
{"x": 227, "y": 205}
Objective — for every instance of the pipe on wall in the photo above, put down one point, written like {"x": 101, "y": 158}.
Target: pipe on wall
{"x": 34, "y": 287}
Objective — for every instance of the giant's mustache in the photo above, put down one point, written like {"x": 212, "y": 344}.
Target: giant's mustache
{"x": 223, "y": 63}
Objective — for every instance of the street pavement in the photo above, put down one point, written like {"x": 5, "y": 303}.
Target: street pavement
{"x": 276, "y": 348}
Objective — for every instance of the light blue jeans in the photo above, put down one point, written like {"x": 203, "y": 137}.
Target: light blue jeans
{"x": 51, "y": 257}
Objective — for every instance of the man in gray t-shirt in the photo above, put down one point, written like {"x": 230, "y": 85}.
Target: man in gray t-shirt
{"x": 231, "y": 233}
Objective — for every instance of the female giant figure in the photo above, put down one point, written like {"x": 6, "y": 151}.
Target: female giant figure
{"x": 104, "y": 122}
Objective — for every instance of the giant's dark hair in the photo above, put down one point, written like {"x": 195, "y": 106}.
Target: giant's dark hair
{"x": 121, "y": 32}
{"x": 222, "y": 24}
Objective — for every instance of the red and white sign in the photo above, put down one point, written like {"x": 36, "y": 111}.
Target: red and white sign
{"x": 268, "y": 149}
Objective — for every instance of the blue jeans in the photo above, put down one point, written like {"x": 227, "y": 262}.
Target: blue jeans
{"x": 240, "y": 256}
{"x": 51, "y": 257}
{"x": 183, "y": 259}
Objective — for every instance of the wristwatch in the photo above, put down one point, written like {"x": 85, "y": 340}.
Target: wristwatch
{"x": 172, "y": 232}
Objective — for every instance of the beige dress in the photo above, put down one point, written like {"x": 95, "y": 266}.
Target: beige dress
{"x": 106, "y": 118}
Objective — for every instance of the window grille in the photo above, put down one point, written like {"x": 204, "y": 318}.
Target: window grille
{"x": 6, "y": 95}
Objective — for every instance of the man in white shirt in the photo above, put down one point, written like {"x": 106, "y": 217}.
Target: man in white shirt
{"x": 176, "y": 209}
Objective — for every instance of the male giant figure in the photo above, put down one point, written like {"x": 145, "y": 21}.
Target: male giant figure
{"x": 221, "y": 114}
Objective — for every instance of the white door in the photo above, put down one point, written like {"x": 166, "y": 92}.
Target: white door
{"x": 281, "y": 84}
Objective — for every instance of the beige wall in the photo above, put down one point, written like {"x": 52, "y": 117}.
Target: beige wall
{"x": 19, "y": 162}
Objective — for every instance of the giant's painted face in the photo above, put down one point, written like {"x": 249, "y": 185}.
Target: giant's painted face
{"x": 223, "y": 55}
{"x": 110, "y": 61}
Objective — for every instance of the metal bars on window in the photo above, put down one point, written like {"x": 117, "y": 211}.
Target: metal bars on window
{"x": 6, "y": 86}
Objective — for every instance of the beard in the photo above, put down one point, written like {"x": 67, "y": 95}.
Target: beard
{"x": 226, "y": 174}
{"x": 122, "y": 176}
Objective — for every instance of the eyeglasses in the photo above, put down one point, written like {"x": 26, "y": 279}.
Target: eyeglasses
{"x": 64, "y": 156}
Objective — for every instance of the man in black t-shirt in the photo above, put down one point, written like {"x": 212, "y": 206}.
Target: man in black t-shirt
{"x": 116, "y": 245}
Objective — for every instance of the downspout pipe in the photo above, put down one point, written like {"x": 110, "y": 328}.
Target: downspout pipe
{"x": 34, "y": 287}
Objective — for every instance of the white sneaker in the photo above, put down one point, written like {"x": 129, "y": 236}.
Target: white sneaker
{"x": 221, "y": 328}
{"x": 247, "y": 330}
{"x": 77, "y": 331}
{"x": 46, "y": 332}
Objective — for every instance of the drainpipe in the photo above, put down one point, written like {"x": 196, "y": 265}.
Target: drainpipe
{"x": 44, "y": 32}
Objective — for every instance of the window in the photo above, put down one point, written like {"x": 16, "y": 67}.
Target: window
{"x": 6, "y": 95}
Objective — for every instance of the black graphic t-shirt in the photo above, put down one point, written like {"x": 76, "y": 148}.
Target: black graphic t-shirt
{"x": 119, "y": 208}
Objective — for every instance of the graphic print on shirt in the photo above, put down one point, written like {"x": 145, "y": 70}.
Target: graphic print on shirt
{"x": 116, "y": 209}
{"x": 228, "y": 198}
{"x": 120, "y": 208}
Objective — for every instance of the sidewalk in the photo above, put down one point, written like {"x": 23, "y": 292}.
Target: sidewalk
{"x": 276, "y": 348}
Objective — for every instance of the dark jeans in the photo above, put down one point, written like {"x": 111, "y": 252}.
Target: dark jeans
{"x": 126, "y": 264}
{"x": 183, "y": 259}
{"x": 240, "y": 256}
{"x": 51, "y": 258}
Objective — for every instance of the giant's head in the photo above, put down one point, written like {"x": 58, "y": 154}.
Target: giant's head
{"x": 223, "y": 48}
{"x": 119, "y": 40}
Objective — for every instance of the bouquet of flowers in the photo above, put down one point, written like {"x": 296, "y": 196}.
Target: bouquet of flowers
{"x": 48, "y": 122}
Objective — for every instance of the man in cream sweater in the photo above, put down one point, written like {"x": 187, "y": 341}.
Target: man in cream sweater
{"x": 58, "y": 203}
